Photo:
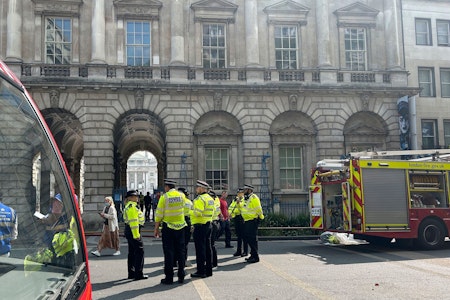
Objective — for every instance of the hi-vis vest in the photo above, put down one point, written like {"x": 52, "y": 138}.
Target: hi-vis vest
{"x": 170, "y": 210}
{"x": 217, "y": 211}
{"x": 203, "y": 209}
{"x": 251, "y": 209}
{"x": 187, "y": 206}
{"x": 235, "y": 208}
{"x": 134, "y": 217}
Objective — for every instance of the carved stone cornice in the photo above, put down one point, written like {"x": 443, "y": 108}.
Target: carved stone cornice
{"x": 138, "y": 9}
{"x": 214, "y": 11}
{"x": 287, "y": 12}
{"x": 357, "y": 14}
{"x": 60, "y": 8}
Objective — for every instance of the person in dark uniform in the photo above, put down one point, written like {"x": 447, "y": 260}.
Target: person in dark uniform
{"x": 201, "y": 217}
{"x": 170, "y": 214}
{"x": 134, "y": 220}
{"x": 148, "y": 206}
{"x": 235, "y": 213}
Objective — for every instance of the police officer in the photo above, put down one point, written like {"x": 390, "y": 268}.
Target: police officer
{"x": 251, "y": 213}
{"x": 187, "y": 218}
{"x": 201, "y": 217}
{"x": 170, "y": 213}
{"x": 235, "y": 214}
{"x": 8, "y": 228}
{"x": 134, "y": 220}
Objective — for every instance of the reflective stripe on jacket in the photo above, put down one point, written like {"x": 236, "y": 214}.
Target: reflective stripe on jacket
{"x": 170, "y": 210}
{"x": 251, "y": 209}
{"x": 217, "y": 211}
{"x": 134, "y": 217}
{"x": 235, "y": 208}
{"x": 187, "y": 206}
{"x": 203, "y": 209}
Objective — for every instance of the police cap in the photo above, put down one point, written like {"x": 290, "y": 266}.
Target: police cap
{"x": 131, "y": 193}
{"x": 203, "y": 184}
{"x": 170, "y": 182}
{"x": 249, "y": 186}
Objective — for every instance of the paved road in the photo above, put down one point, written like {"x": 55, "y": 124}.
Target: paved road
{"x": 304, "y": 269}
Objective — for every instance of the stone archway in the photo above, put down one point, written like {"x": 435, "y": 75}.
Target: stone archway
{"x": 138, "y": 130}
{"x": 68, "y": 134}
{"x": 365, "y": 131}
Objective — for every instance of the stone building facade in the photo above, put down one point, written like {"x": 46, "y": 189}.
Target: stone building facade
{"x": 427, "y": 44}
{"x": 210, "y": 87}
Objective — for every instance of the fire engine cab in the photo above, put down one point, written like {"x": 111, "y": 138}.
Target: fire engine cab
{"x": 377, "y": 196}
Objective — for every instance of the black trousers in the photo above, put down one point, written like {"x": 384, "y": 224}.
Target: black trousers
{"x": 135, "y": 260}
{"x": 148, "y": 207}
{"x": 214, "y": 236}
{"x": 239, "y": 227}
{"x": 251, "y": 236}
{"x": 173, "y": 248}
{"x": 203, "y": 251}
{"x": 225, "y": 228}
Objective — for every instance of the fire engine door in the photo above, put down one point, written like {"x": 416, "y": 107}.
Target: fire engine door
{"x": 315, "y": 206}
{"x": 346, "y": 206}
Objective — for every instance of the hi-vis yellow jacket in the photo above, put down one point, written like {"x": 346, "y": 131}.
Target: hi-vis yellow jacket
{"x": 235, "y": 208}
{"x": 251, "y": 209}
{"x": 187, "y": 205}
{"x": 170, "y": 210}
{"x": 134, "y": 217}
{"x": 203, "y": 209}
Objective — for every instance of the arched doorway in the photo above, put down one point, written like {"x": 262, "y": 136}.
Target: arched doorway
{"x": 134, "y": 132}
{"x": 142, "y": 172}
{"x": 68, "y": 134}
{"x": 365, "y": 131}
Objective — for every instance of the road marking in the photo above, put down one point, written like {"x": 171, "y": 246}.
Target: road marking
{"x": 202, "y": 289}
{"x": 320, "y": 294}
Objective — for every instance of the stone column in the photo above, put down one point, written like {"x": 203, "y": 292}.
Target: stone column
{"x": 98, "y": 32}
{"x": 177, "y": 32}
{"x": 392, "y": 24}
{"x": 14, "y": 31}
{"x": 323, "y": 34}
{"x": 251, "y": 32}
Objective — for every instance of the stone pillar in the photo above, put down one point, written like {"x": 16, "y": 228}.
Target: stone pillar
{"x": 98, "y": 32}
{"x": 14, "y": 31}
{"x": 392, "y": 24}
{"x": 177, "y": 32}
{"x": 251, "y": 32}
{"x": 323, "y": 34}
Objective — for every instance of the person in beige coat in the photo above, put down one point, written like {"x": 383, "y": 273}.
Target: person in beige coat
{"x": 110, "y": 233}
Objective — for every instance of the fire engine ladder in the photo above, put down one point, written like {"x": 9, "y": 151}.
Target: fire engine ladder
{"x": 432, "y": 154}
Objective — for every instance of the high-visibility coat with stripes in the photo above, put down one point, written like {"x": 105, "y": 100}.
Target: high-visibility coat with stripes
{"x": 235, "y": 208}
{"x": 217, "y": 211}
{"x": 170, "y": 210}
{"x": 187, "y": 205}
{"x": 251, "y": 209}
{"x": 202, "y": 209}
{"x": 134, "y": 217}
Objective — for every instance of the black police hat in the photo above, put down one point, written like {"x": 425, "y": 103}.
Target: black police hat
{"x": 131, "y": 193}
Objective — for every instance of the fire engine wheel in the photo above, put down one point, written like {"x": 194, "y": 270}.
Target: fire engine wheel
{"x": 431, "y": 234}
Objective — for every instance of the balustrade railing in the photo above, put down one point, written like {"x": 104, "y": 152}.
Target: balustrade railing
{"x": 301, "y": 76}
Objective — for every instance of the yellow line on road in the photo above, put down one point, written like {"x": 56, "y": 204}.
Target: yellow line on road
{"x": 305, "y": 286}
{"x": 202, "y": 289}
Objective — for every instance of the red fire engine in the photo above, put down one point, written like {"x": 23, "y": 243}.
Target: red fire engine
{"x": 378, "y": 199}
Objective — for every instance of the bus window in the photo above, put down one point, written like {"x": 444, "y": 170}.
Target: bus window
{"x": 42, "y": 246}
